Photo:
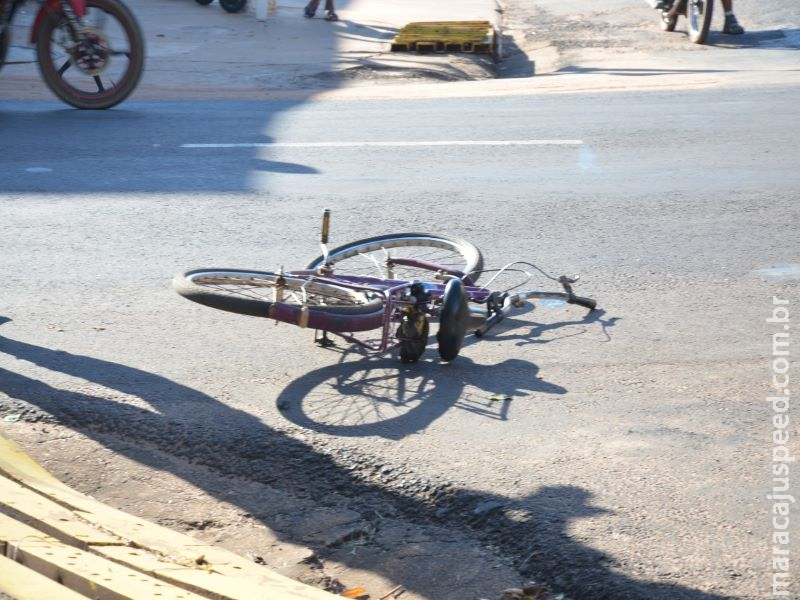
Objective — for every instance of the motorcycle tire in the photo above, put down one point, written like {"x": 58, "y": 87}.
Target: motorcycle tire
{"x": 204, "y": 2}
{"x": 233, "y": 6}
{"x": 5, "y": 40}
{"x": 93, "y": 79}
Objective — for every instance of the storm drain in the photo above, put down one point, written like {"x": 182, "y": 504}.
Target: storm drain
{"x": 475, "y": 37}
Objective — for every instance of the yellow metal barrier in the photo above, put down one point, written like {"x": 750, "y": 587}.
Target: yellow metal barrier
{"x": 58, "y": 543}
{"x": 476, "y": 37}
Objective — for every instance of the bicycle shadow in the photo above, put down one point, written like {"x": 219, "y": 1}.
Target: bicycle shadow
{"x": 574, "y": 327}
{"x": 379, "y": 396}
{"x": 382, "y": 397}
{"x": 179, "y": 422}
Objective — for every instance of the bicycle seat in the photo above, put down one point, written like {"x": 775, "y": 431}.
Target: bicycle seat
{"x": 454, "y": 319}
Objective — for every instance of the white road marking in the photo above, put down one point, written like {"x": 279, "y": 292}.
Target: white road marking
{"x": 38, "y": 170}
{"x": 392, "y": 144}
{"x": 782, "y": 272}
{"x": 587, "y": 160}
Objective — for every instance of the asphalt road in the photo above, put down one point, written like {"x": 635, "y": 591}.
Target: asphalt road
{"x": 632, "y": 460}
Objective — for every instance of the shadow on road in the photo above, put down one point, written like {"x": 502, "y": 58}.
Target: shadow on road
{"x": 629, "y": 72}
{"x": 766, "y": 39}
{"x": 380, "y": 397}
{"x": 166, "y": 417}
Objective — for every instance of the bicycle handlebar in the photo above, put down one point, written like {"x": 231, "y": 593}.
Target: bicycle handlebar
{"x": 515, "y": 300}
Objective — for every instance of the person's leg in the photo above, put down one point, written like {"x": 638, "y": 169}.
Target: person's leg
{"x": 331, "y": 12}
{"x": 731, "y": 24}
{"x": 311, "y": 8}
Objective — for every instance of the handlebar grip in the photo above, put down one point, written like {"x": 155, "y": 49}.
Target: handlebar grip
{"x": 585, "y": 302}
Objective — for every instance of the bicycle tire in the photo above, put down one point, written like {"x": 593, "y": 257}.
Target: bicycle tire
{"x": 453, "y": 253}
{"x": 698, "y": 16}
{"x": 204, "y": 2}
{"x": 70, "y": 89}
{"x": 301, "y": 301}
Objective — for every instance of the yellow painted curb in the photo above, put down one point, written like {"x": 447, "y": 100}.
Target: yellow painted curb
{"x": 55, "y": 534}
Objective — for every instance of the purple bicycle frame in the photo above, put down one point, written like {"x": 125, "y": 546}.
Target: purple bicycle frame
{"x": 345, "y": 325}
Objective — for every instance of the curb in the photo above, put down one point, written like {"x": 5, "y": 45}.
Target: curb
{"x": 58, "y": 543}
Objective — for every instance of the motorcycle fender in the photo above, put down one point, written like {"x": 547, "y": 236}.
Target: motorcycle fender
{"x": 79, "y": 6}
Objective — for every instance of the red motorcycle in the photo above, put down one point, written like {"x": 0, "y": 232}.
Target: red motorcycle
{"x": 90, "y": 52}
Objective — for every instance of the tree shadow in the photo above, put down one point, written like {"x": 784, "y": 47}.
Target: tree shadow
{"x": 766, "y": 39}
{"x": 145, "y": 415}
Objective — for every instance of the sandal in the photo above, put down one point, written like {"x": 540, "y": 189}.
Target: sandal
{"x": 331, "y": 16}
{"x": 311, "y": 9}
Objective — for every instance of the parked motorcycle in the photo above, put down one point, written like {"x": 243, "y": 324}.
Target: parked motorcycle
{"x": 697, "y": 12}
{"x": 90, "y": 52}
{"x": 231, "y": 6}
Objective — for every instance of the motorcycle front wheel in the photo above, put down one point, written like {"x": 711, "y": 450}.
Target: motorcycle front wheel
{"x": 103, "y": 66}
{"x": 698, "y": 16}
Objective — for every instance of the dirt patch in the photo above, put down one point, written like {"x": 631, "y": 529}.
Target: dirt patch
{"x": 386, "y": 527}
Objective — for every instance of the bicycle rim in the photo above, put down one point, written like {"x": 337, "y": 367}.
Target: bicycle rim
{"x": 698, "y": 15}
{"x": 372, "y": 257}
{"x": 297, "y": 300}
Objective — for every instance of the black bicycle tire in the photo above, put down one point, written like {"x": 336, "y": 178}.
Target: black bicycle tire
{"x": 699, "y": 27}
{"x": 74, "y": 96}
{"x": 204, "y": 2}
{"x": 352, "y": 316}
{"x": 464, "y": 247}
{"x": 233, "y": 6}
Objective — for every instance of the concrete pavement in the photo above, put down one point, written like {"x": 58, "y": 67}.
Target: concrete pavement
{"x": 198, "y": 51}
{"x": 202, "y": 51}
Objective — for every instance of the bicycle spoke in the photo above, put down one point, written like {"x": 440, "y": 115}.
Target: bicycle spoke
{"x": 64, "y": 67}
{"x": 99, "y": 83}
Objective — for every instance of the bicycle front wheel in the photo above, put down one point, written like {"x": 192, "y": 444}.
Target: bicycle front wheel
{"x": 698, "y": 15}
{"x": 300, "y": 301}
{"x": 386, "y": 256}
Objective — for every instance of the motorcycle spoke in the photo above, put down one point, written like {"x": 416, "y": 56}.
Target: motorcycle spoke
{"x": 99, "y": 83}
{"x": 64, "y": 67}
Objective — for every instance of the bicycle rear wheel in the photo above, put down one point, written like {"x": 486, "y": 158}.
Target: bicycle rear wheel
{"x": 297, "y": 300}
{"x": 698, "y": 15}
{"x": 374, "y": 257}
